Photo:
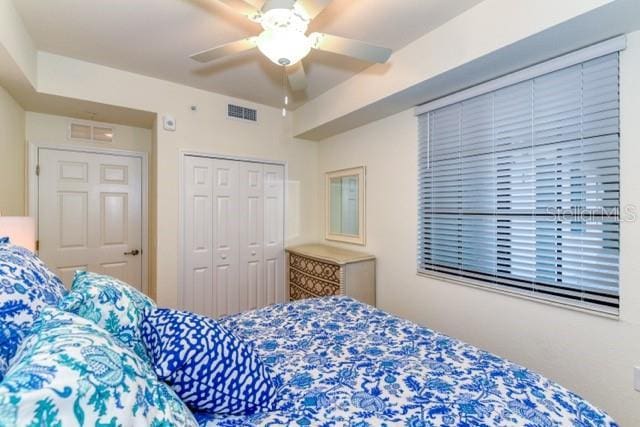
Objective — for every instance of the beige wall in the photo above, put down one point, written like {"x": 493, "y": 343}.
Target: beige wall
{"x": 50, "y": 129}
{"x": 153, "y": 214}
{"x": 12, "y": 156}
{"x": 591, "y": 355}
{"x": 205, "y": 130}
{"x": 17, "y": 41}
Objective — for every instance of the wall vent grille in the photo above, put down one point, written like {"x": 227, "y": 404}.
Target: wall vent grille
{"x": 83, "y": 131}
{"x": 243, "y": 113}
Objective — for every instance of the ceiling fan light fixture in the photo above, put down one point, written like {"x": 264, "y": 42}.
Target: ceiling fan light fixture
{"x": 283, "y": 46}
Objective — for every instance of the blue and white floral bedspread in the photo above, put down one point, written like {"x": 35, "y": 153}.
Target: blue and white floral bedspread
{"x": 342, "y": 363}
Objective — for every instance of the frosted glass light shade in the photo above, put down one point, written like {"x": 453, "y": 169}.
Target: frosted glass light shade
{"x": 20, "y": 229}
{"x": 283, "y": 46}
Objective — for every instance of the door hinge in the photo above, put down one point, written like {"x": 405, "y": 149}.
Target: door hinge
{"x": 37, "y": 170}
{"x": 37, "y": 245}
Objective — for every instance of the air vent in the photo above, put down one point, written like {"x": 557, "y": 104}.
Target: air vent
{"x": 81, "y": 131}
{"x": 102, "y": 134}
{"x": 243, "y": 113}
{"x": 250, "y": 114}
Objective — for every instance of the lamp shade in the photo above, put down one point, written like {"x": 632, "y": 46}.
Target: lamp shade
{"x": 20, "y": 229}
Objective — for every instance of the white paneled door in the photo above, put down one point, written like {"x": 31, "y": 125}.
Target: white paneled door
{"x": 90, "y": 214}
{"x": 251, "y": 282}
{"x": 274, "y": 233}
{"x": 197, "y": 256}
{"x": 233, "y": 249}
{"x": 225, "y": 237}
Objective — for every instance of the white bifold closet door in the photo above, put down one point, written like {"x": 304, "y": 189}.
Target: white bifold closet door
{"x": 233, "y": 249}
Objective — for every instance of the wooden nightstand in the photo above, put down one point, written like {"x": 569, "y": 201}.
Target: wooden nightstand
{"x": 318, "y": 270}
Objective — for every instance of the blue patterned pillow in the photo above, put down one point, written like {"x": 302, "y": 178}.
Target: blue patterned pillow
{"x": 111, "y": 304}
{"x": 69, "y": 371}
{"x": 26, "y": 287}
{"x": 207, "y": 366}
{"x": 4, "y": 240}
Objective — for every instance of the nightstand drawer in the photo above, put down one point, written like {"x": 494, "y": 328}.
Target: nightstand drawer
{"x": 312, "y": 267}
{"x": 296, "y": 293}
{"x": 312, "y": 285}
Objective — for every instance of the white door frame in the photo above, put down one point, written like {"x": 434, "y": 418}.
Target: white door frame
{"x": 32, "y": 189}
{"x": 181, "y": 156}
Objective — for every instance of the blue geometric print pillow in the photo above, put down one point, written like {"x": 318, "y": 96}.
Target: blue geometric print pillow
{"x": 209, "y": 368}
{"x": 26, "y": 287}
{"x": 71, "y": 372}
{"x": 111, "y": 304}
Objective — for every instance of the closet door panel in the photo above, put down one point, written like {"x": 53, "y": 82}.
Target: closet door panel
{"x": 197, "y": 292}
{"x": 274, "y": 290}
{"x": 226, "y": 237}
{"x": 251, "y": 234}
{"x": 233, "y": 256}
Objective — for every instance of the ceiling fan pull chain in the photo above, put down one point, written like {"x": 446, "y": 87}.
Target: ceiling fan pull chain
{"x": 284, "y": 91}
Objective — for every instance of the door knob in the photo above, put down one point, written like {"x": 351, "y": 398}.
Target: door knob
{"x": 133, "y": 252}
{"x": 223, "y": 256}
{"x": 253, "y": 253}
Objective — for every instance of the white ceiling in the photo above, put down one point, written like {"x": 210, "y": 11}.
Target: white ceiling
{"x": 155, "y": 38}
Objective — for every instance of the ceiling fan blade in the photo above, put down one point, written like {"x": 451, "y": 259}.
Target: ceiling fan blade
{"x": 256, "y": 3}
{"x": 313, "y": 7}
{"x": 297, "y": 77}
{"x": 243, "y": 7}
{"x": 350, "y": 47}
{"x": 224, "y": 50}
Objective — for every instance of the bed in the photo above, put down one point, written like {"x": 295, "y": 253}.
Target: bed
{"x": 339, "y": 362}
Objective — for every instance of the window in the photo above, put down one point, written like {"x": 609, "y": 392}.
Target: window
{"x": 519, "y": 183}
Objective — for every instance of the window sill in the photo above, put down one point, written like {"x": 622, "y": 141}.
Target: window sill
{"x": 612, "y": 314}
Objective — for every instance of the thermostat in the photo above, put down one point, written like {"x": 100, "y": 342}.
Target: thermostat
{"x": 169, "y": 123}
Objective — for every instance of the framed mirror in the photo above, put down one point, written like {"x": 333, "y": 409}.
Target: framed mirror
{"x": 344, "y": 205}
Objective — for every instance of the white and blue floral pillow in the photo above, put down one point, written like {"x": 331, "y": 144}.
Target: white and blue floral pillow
{"x": 111, "y": 304}
{"x": 208, "y": 367}
{"x": 26, "y": 287}
{"x": 69, "y": 371}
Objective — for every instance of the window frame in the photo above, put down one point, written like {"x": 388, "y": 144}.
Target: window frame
{"x": 574, "y": 58}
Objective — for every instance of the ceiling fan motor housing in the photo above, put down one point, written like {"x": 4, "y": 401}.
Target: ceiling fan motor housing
{"x": 277, "y": 4}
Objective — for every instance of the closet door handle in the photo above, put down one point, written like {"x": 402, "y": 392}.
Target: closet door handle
{"x": 253, "y": 253}
{"x": 133, "y": 252}
{"x": 223, "y": 256}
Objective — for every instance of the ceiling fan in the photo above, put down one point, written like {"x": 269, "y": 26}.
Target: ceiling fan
{"x": 284, "y": 40}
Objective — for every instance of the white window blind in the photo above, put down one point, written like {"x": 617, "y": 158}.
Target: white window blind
{"x": 519, "y": 187}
